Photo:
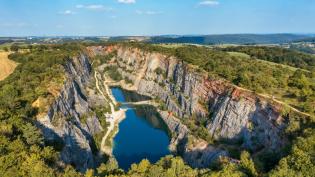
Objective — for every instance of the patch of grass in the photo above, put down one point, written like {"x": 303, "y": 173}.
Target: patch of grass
{"x": 84, "y": 117}
{"x": 197, "y": 129}
{"x": 109, "y": 140}
{"x": 128, "y": 81}
{"x": 239, "y": 54}
{"x": 158, "y": 71}
{"x": 113, "y": 73}
{"x": 98, "y": 139}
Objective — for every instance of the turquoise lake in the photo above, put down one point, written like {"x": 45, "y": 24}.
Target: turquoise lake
{"x": 142, "y": 134}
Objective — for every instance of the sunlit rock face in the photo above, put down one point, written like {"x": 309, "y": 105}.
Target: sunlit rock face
{"x": 62, "y": 125}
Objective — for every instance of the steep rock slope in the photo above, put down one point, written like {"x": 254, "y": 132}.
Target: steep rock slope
{"x": 232, "y": 114}
{"x": 195, "y": 151}
{"x": 63, "y": 124}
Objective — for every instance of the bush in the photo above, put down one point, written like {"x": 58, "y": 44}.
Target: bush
{"x": 247, "y": 164}
{"x": 158, "y": 71}
{"x": 114, "y": 73}
{"x": 128, "y": 81}
{"x": 14, "y": 48}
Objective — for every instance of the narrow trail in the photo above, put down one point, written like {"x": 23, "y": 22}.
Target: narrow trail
{"x": 277, "y": 101}
{"x": 114, "y": 118}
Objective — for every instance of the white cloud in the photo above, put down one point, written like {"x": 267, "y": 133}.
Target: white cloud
{"x": 127, "y": 1}
{"x": 93, "y": 7}
{"x": 209, "y": 3}
{"x": 67, "y": 12}
{"x": 149, "y": 12}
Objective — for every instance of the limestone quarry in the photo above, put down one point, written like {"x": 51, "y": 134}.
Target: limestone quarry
{"x": 232, "y": 115}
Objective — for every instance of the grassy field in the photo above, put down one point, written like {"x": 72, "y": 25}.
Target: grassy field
{"x": 6, "y": 66}
{"x": 245, "y": 56}
{"x": 9, "y": 44}
{"x": 239, "y": 54}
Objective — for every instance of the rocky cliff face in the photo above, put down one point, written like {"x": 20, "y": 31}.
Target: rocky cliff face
{"x": 196, "y": 152}
{"x": 233, "y": 114}
{"x": 63, "y": 124}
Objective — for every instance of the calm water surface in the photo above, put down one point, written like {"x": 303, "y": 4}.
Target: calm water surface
{"x": 142, "y": 134}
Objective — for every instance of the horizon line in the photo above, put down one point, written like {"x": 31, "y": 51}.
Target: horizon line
{"x": 157, "y": 35}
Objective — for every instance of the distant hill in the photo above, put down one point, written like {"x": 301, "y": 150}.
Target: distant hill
{"x": 230, "y": 39}
{"x": 4, "y": 41}
{"x": 309, "y": 39}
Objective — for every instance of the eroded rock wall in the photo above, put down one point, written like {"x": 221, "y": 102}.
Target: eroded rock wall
{"x": 63, "y": 124}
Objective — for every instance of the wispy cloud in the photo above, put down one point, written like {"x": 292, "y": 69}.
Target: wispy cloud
{"x": 208, "y": 3}
{"x": 94, "y": 7}
{"x": 67, "y": 12}
{"x": 127, "y": 1}
{"x": 148, "y": 12}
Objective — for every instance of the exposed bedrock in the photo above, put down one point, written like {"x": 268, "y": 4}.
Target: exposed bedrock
{"x": 62, "y": 124}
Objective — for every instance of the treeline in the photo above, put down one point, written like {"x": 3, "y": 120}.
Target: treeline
{"x": 174, "y": 166}
{"x": 277, "y": 55}
{"x": 228, "y": 39}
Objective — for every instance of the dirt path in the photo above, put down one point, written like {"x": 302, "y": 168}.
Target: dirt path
{"x": 275, "y": 100}
{"x": 6, "y": 66}
{"x": 114, "y": 118}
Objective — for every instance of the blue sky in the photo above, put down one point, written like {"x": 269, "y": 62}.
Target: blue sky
{"x": 154, "y": 17}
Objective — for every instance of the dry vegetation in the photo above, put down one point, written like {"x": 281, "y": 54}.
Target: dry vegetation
{"x": 6, "y": 66}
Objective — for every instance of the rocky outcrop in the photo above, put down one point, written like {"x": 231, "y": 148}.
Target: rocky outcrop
{"x": 256, "y": 123}
{"x": 70, "y": 121}
{"x": 232, "y": 114}
{"x": 197, "y": 153}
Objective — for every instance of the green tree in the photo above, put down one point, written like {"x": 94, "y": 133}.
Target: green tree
{"x": 89, "y": 173}
{"x": 228, "y": 170}
{"x": 32, "y": 135}
{"x": 140, "y": 168}
{"x": 247, "y": 164}
{"x": 69, "y": 171}
{"x": 14, "y": 48}
{"x": 111, "y": 167}
{"x": 300, "y": 161}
